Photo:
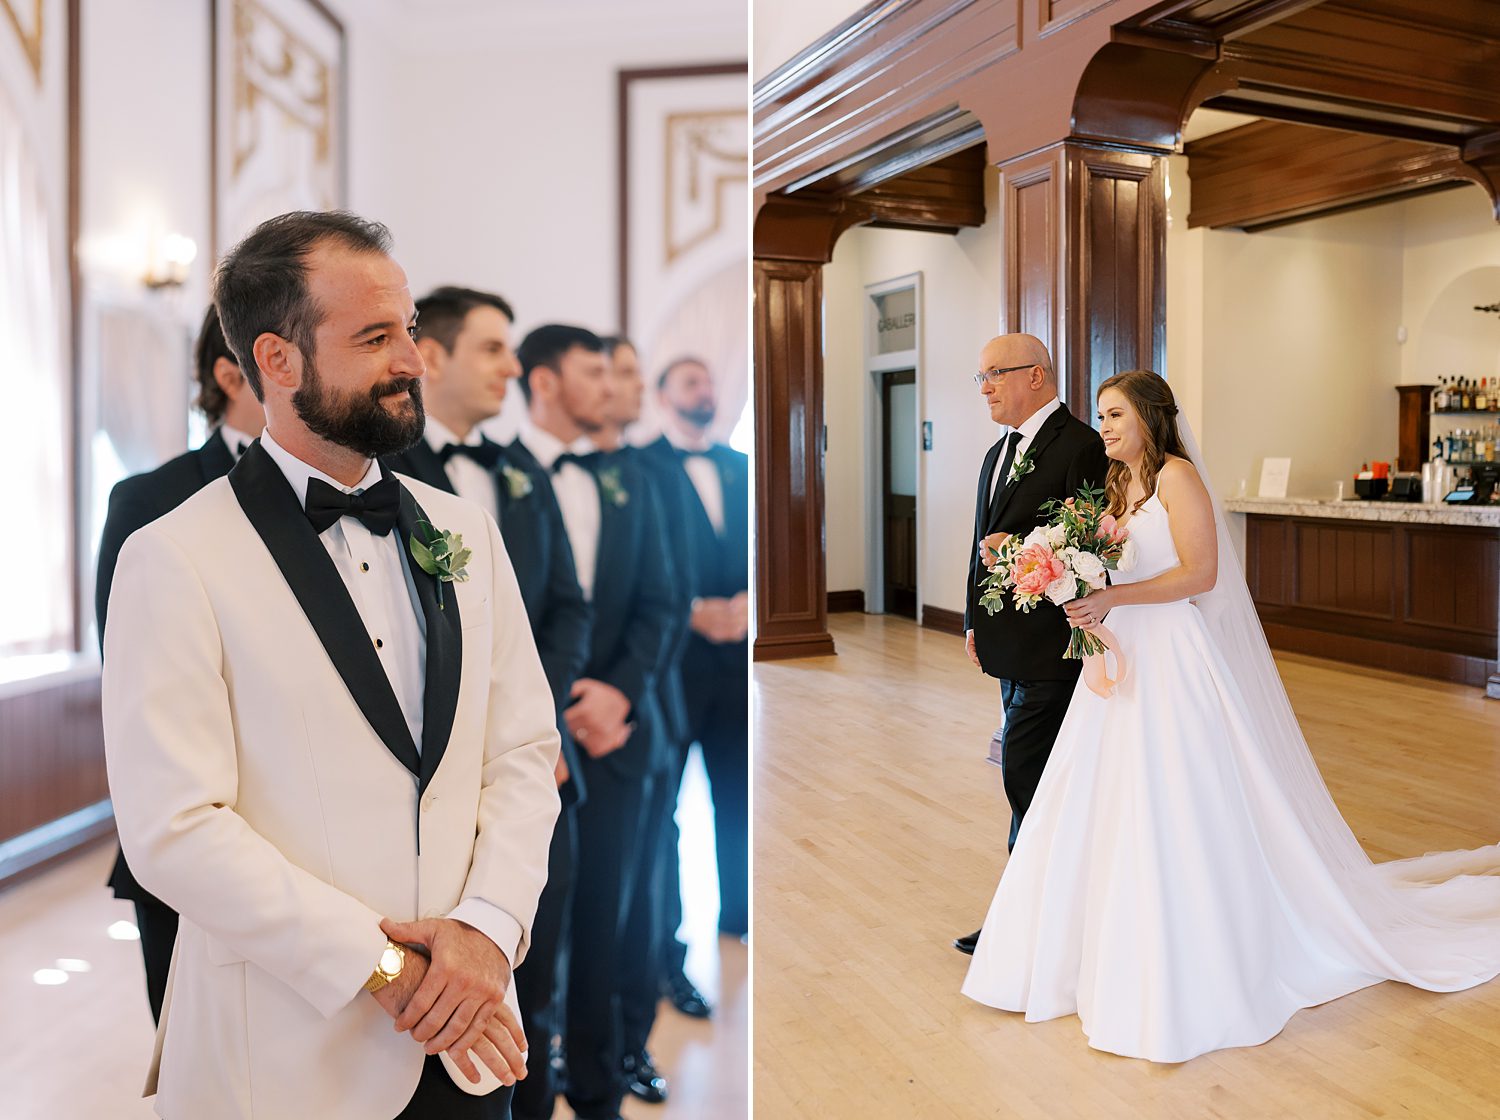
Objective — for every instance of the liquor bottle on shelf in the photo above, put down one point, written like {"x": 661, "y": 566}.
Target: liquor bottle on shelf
{"x": 1481, "y": 396}
{"x": 1468, "y": 404}
{"x": 1440, "y": 396}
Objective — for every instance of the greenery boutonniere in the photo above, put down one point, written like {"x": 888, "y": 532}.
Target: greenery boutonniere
{"x": 442, "y": 555}
{"x": 518, "y": 482}
{"x": 609, "y": 483}
{"x": 1021, "y": 467}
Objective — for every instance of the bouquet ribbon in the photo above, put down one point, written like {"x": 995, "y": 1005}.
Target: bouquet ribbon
{"x": 1096, "y": 665}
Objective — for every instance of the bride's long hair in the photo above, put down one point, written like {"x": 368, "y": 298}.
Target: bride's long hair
{"x": 1151, "y": 397}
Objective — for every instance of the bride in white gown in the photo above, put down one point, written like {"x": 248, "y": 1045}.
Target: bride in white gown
{"x": 1182, "y": 880}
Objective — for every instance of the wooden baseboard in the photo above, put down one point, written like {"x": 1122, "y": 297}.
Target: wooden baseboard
{"x": 24, "y": 855}
{"x": 1376, "y": 654}
{"x": 846, "y": 601}
{"x": 943, "y": 621}
{"x": 794, "y": 645}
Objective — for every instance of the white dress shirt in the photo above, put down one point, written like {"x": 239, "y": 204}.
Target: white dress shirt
{"x": 469, "y": 479}
{"x": 378, "y": 574}
{"x": 1028, "y": 429}
{"x": 704, "y": 474}
{"x": 577, "y": 493}
{"x": 235, "y": 439}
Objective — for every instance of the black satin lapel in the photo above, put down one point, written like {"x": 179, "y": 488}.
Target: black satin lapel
{"x": 1050, "y": 429}
{"x": 982, "y": 499}
{"x": 214, "y": 457}
{"x": 424, "y": 464}
{"x": 271, "y": 506}
{"x": 444, "y": 646}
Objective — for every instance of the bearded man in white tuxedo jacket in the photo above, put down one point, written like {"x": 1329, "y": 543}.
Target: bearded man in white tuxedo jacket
{"x": 335, "y": 762}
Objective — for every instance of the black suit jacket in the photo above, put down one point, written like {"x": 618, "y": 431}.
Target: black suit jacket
{"x": 536, "y": 540}
{"x": 1067, "y": 454}
{"x": 134, "y": 503}
{"x": 678, "y": 505}
{"x": 633, "y": 603}
{"x": 719, "y": 566}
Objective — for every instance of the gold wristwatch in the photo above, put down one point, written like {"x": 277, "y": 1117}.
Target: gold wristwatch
{"x": 392, "y": 960}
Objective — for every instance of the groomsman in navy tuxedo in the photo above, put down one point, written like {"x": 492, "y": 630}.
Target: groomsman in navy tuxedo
{"x": 615, "y": 528}
{"x": 225, "y": 398}
{"x": 464, "y": 337}
{"x": 715, "y": 665}
{"x": 641, "y": 948}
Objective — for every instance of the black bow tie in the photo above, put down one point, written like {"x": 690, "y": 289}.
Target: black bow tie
{"x": 487, "y": 453}
{"x": 588, "y": 461}
{"x": 376, "y": 507}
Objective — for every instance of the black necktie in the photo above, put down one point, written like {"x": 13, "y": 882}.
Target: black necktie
{"x": 486, "y": 453}
{"x": 376, "y": 507}
{"x": 589, "y": 461}
{"x": 1004, "y": 476}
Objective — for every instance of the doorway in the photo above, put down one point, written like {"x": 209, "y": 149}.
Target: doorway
{"x": 898, "y": 400}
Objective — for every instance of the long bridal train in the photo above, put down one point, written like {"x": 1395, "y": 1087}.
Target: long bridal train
{"x": 1183, "y": 881}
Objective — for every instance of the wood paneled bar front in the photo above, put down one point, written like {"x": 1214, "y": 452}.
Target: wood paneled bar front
{"x": 1392, "y": 585}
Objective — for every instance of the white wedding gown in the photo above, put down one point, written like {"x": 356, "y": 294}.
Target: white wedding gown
{"x": 1173, "y": 887}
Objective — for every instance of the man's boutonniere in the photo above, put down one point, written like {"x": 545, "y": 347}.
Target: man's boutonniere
{"x": 518, "y": 482}
{"x": 609, "y": 483}
{"x": 442, "y": 555}
{"x": 1021, "y": 467}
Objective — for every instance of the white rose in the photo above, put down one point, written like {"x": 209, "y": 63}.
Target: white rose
{"x": 1128, "y": 556}
{"x": 1090, "y": 569}
{"x": 1063, "y": 589}
{"x": 1037, "y": 536}
{"x": 1057, "y": 536}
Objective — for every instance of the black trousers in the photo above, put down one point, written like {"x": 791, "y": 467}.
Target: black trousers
{"x": 158, "y": 925}
{"x": 608, "y": 842}
{"x": 724, "y": 736}
{"x": 536, "y": 978}
{"x": 1034, "y": 712}
{"x": 641, "y": 951}
{"x": 438, "y": 1098}
{"x": 673, "y": 954}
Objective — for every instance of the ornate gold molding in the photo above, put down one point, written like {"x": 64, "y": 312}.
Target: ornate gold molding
{"x": 700, "y": 159}
{"x": 31, "y": 41}
{"x": 285, "y": 72}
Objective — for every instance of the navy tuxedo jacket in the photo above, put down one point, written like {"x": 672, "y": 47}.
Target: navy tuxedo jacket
{"x": 633, "y": 602}
{"x": 537, "y": 542}
{"x": 134, "y": 503}
{"x": 718, "y": 564}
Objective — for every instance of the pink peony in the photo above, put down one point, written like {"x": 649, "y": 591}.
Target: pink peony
{"x": 1110, "y": 530}
{"x": 1034, "y": 568}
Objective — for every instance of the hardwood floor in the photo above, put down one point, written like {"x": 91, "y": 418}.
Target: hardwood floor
{"x": 81, "y": 1048}
{"x": 880, "y": 834}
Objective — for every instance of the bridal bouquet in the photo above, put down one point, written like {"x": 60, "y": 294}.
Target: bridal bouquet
{"x": 1060, "y": 561}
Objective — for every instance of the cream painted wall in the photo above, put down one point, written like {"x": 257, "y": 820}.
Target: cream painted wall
{"x": 1293, "y": 335}
{"x": 1451, "y": 264}
{"x": 782, "y": 29}
{"x": 960, "y": 311}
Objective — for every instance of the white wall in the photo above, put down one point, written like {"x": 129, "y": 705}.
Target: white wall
{"x": 783, "y": 29}
{"x": 960, "y": 312}
{"x": 1294, "y": 334}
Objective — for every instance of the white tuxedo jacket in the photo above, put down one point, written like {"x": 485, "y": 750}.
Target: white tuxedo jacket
{"x": 266, "y": 786}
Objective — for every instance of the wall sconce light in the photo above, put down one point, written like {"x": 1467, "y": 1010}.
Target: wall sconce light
{"x": 169, "y": 261}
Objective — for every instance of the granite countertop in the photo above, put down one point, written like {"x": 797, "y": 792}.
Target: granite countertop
{"x": 1419, "y": 513}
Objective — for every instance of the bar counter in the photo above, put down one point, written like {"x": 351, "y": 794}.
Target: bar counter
{"x": 1405, "y": 586}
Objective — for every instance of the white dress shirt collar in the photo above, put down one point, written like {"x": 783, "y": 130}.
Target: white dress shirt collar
{"x": 541, "y": 443}
{"x": 684, "y": 442}
{"x": 439, "y": 435}
{"x": 297, "y": 472}
{"x": 233, "y": 438}
{"x": 1033, "y": 423}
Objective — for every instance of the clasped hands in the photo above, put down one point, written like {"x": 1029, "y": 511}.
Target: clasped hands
{"x": 597, "y": 717}
{"x": 452, "y": 998}
{"x": 721, "y": 620}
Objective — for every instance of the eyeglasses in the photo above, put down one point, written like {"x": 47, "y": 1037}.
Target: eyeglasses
{"x": 995, "y": 376}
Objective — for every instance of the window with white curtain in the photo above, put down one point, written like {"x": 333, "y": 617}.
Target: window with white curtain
{"x": 35, "y": 500}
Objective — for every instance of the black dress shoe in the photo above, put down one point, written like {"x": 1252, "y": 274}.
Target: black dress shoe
{"x": 687, "y": 998}
{"x": 966, "y": 945}
{"x": 642, "y": 1080}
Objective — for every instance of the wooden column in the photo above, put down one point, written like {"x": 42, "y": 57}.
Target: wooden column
{"x": 791, "y": 579}
{"x": 1084, "y": 229}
